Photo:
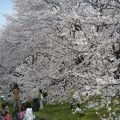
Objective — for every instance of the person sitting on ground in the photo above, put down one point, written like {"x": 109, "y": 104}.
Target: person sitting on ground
{"x": 29, "y": 113}
{"x": 75, "y": 100}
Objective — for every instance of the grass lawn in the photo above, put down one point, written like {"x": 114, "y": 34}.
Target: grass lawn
{"x": 63, "y": 112}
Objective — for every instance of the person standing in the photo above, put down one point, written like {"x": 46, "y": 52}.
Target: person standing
{"x": 34, "y": 94}
{"x": 41, "y": 99}
{"x": 16, "y": 97}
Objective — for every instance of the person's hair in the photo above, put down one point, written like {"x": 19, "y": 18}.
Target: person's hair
{"x": 23, "y": 108}
{"x": 16, "y": 86}
{"x": 4, "y": 105}
{"x": 6, "y": 112}
{"x": 40, "y": 90}
{"x": 28, "y": 105}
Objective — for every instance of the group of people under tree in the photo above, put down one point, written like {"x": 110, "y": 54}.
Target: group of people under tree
{"x": 21, "y": 110}
{"x": 24, "y": 110}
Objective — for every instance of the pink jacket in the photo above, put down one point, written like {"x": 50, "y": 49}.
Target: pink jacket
{"x": 7, "y": 117}
{"x": 22, "y": 114}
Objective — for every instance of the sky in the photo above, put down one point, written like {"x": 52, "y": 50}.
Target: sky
{"x": 5, "y": 8}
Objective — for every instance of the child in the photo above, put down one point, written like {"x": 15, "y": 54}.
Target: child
{"x": 7, "y": 116}
{"x": 29, "y": 113}
{"x": 22, "y": 112}
{"x": 5, "y": 112}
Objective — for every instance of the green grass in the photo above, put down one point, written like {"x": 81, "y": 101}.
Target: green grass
{"x": 63, "y": 112}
